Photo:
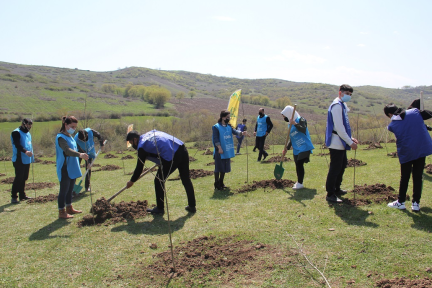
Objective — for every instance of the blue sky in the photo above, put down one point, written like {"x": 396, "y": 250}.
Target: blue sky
{"x": 382, "y": 43}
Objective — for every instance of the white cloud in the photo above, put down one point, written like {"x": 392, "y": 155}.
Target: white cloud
{"x": 327, "y": 47}
{"x": 292, "y": 55}
{"x": 361, "y": 45}
{"x": 364, "y": 33}
{"x": 223, "y": 18}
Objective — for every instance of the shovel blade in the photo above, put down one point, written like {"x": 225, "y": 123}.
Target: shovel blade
{"x": 77, "y": 188}
{"x": 278, "y": 171}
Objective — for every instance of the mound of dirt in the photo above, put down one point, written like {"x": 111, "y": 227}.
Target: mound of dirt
{"x": 267, "y": 184}
{"x": 120, "y": 152}
{"x": 373, "y": 146}
{"x": 393, "y": 154}
{"x": 404, "y": 282}
{"x": 40, "y": 185}
{"x": 210, "y": 164}
{"x": 191, "y": 159}
{"x": 217, "y": 261}
{"x": 355, "y": 162}
{"x": 127, "y": 157}
{"x": 94, "y": 165}
{"x": 7, "y": 180}
{"x": 368, "y": 194}
{"x": 112, "y": 213}
{"x": 208, "y": 152}
{"x": 321, "y": 154}
{"x": 277, "y": 159}
{"x": 2, "y": 174}
{"x": 195, "y": 173}
{"x": 428, "y": 168}
{"x": 109, "y": 156}
{"x": 108, "y": 168}
{"x": 5, "y": 158}
{"x": 43, "y": 199}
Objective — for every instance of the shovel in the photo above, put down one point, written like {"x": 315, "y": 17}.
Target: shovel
{"x": 279, "y": 170}
{"x": 124, "y": 188}
{"x": 77, "y": 187}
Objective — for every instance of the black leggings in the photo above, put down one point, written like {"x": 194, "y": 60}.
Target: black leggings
{"x": 300, "y": 168}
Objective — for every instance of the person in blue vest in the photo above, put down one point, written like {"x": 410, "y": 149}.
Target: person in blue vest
{"x": 170, "y": 154}
{"x": 413, "y": 144}
{"x": 338, "y": 139}
{"x": 223, "y": 144}
{"x": 262, "y": 128}
{"x": 300, "y": 141}
{"x": 68, "y": 168}
{"x": 241, "y": 127}
{"x": 85, "y": 141}
{"x": 22, "y": 156}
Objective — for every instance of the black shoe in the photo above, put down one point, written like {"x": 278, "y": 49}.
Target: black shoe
{"x": 156, "y": 211}
{"x": 191, "y": 209}
{"x": 14, "y": 201}
{"x": 223, "y": 187}
{"x": 25, "y": 198}
{"x": 333, "y": 198}
{"x": 341, "y": 192}
{"x": 254, "y": 150}
{"x": 265, "y": 156}
{"x": 217, "y": 186}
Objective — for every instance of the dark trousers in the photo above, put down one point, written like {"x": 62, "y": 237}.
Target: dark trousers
{"x": 300, "y": 168}
{"x": 88, "y": 176}
{"x": 240, "y": 140}
{"x": 66, "y": 188}
{"x": 338, "y": 163}
{"x": 416, "y": 168}
{"x": 21, "y": 176}
{"x": 180, "y": 162}
{"x": 260, "y": 144}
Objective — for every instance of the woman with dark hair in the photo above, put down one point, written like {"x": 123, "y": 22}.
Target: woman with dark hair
{"x": 223, "y": 147}
{"x": 68, "y": 169}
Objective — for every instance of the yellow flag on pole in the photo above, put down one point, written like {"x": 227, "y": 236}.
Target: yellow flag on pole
{"x": 233, "y": 107}
{"x": 130, "y": 128}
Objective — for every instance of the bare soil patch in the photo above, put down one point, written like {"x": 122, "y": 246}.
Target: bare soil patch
{"x": 94, "y": 165}
{"x": 105, "y": 212}
{"x": 208, "y": 260}
{"x": 5, "y": 158}
{"x": 277, "y": 159}
{"x": 404, "y": 282}
{"x": 428, "y": 168}
{"x": 393, "y": 154}
{"x": 373, "y": 146}
{"x": 208, "y": 152}
{"x": 267, "y": 184}
{"x": 2, "y": 174}
{"x": 191, "y": 159}
{"x": 368, "y": 194}
{"x": 108, "y": 168}
{"x": 321, "y": 154}
{"x": 127, "y": 157}
{"x": 40, "y": 185}
{"x": 7, "y": 180}
{"x": 44, "y": 162}
{"x": 355, "y": 162}
{"x": 109, "y": 156}
{"x": 195, "y": 173}
{"x": 43, "y": 199}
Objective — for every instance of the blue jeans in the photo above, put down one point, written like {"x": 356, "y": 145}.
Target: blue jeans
{"x": 66, "y": 188}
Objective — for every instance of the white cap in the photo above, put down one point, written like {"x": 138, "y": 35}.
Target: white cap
{"x": 287, "y": 112}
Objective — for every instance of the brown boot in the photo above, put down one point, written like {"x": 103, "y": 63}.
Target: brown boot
{"x": 71, "y": 210}
{"x": 64, "y": 215}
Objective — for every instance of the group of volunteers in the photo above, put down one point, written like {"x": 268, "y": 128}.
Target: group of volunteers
{"x": 169, "y": 153}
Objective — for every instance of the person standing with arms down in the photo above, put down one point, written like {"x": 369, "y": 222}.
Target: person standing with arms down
{"x": 413, "y": 144}
{"x": 170, "y": 154}
{"x": 223, "y": 147}
{"x": 22, "y": 156}
{"x": 68, "y": 168}
{"x": 262, "y": 129}
{"x": 300, "y": 141}
{"x": 338, "y": 139}
{"x": 241, "y": 127}
{"x": 85, "y": 141}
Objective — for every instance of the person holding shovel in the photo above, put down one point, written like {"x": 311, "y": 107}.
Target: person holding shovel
{"x": 241, "y": 127}
{"x": 170, "y": 154}
{"x": 413, "y": 144}
{"x": 262, "y": 128}
{"x": 22, "y": 156}
{"x": 223, "y": 147}
{"x": 300, "y": 141}
{"x": 338, "y": 139}
{"x": 68, "y": 168}
{"x": 85, "y": 140}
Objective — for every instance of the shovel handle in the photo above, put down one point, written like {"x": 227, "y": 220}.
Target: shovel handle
{"x": 124, "y": 188}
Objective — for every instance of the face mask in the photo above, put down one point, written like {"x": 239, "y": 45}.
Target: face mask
{"x": 346, "y": 98}
{"x": 260, "y": 114}
{"x": 135, "y": 146}
{"x": 70, "y": 130}
{"x": 227, "y": 120}
{"x": 286, "y": 119}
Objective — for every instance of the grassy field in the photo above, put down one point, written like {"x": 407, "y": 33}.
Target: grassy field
{"x": 357, "y": 245}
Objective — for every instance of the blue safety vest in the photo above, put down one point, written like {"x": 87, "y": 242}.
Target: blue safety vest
{"x": 300, "y": 142}
{"x": 89, "y": 145}
{"x": 412, "y": 138}
{"x": 159, "y": 143}
{"x": 26, "y": 142}
{"x": 262, "y": 126}
{"x": 226, "y": 141}
{"x": 73, "y": 167}
{"x": 330, "y": 124}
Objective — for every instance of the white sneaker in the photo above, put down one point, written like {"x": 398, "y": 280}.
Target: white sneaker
{"x": 298, "y": 186}
{"x": 415, "y": 207}
{"x": 396, "y": 204}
